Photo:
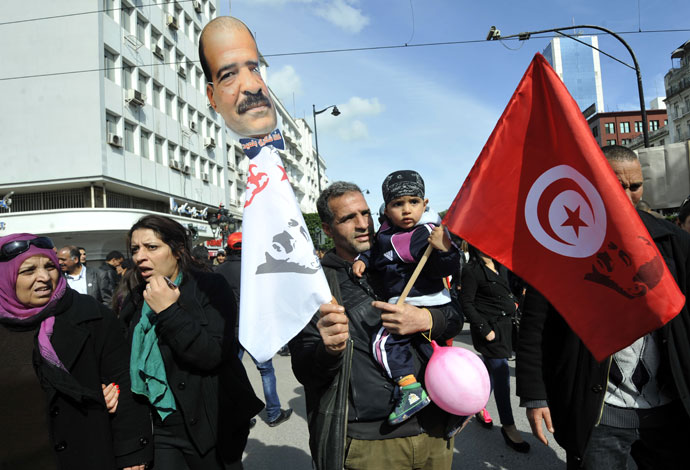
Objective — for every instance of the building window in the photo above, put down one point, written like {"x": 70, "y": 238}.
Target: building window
{"x": 141, "y": 30}
{"x": 111, "y": 123}
{"x": 158, "y": 150}
{"x": 665, "y": 122}
{"x": 180, "y": 110}
{"x": 625, "y": 141}
{"x": 653, "y": 125}
{"x": 595, "y": 131}
{"x": 169, "y": 97}
{"x": 168, "y": 54}
{"x": 155, "y": 38}
{"x": 171, "y": 152}
{"x": 129, "y": 136}
{"x": 126, "y": 19}
{"x": 158, "y": 96}
{"x": 144, "y": 143}
{"x": 109, "y": 8}
{"x": 638, "y": 126}
{"x": 193, "y": 164}
{"x": 143, "y": 82}
{"x": 109, "y": 64}
{"x": 610, "y": 127}
{"x": 625, "y": 127}
{"x": 611, "y": 142}
{"x": 127, "y": 72}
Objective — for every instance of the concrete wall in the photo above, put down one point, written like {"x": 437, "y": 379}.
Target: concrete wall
{"x": 666, "y": 173}
{"x": 49, "y": 125}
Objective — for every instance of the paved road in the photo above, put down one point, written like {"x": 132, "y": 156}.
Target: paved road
{"x": 286, "y": 447}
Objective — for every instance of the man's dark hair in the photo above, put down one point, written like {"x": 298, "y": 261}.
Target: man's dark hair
{"x": 81, "y": 248}
{"x": 200, "y": 253}
{"x": 114, "y": 255}
{"x": 618, "y": 153}
{"x": 335, "y": 190}
{"x": 684, "y": 212}
{"x": 73, "y": 252}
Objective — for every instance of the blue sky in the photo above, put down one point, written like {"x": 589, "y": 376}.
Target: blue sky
{"x": 431, "y": 109}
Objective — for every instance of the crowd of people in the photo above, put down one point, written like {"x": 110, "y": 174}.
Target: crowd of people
{"x": 136, "y": 364}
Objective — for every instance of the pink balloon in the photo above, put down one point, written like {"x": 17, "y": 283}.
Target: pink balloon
{"x": 457, "y": 380}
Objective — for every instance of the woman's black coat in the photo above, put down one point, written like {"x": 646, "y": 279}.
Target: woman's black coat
{"x": 196, "y": 336}
{"x": 89, "y": 341}
{"x": 488, "y": 304}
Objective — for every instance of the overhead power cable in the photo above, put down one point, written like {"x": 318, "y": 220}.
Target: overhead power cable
{"x": 90, "y": 12}
{"x": 327, "y": 51}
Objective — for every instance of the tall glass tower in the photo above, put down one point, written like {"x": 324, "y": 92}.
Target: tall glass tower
{"x": 579, "y": 68}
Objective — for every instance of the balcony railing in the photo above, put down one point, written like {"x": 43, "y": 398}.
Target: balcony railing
{"x": 80, "y": 198}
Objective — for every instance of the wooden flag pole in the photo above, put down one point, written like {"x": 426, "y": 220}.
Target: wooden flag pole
{"x": 415, "y": 275}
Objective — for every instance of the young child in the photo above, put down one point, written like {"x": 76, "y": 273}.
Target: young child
{"x": 399, "y": 244}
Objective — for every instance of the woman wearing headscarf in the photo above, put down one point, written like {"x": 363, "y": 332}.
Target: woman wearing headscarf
{"x": 184, "y": 363}
{"x": 57, "y": 350}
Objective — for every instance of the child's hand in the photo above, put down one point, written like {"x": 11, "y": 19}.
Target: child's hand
{"x": 358, "y": 267}
{"x": 439, "y": 239}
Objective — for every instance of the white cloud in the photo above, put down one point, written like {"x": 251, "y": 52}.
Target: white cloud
{"x": 284, "y": 82}
{"x": 344, "y": 15}
{"x": 350, "y": 125}
{"x": 361, "y": 106}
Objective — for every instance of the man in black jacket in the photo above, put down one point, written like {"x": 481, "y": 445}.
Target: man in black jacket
{"x": 637, "y": 402}
{"x": 93, "y": 282}
{"x": 344, "y": 331}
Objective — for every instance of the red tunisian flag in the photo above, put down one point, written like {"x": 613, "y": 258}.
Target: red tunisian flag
{"x": 542, "y": 200}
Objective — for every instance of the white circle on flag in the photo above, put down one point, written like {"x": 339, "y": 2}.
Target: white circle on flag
{"x": 565, "y": 213}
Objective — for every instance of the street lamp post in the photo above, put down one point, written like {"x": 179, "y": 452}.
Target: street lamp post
{"x": 495, "y": 34}
{"x": 335, "y": 112}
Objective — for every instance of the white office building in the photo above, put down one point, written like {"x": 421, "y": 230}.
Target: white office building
{"x": 105, "y": 119}
{"x": 677, "y": 83}
{"x": 579, "y": 67}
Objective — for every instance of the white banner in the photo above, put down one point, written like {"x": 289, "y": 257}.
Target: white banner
{"x": 283, "y": 284}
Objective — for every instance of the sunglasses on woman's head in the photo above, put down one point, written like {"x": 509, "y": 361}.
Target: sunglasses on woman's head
{"x": 14, "y": 248}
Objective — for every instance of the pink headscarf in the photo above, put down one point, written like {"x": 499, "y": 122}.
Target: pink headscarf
{"x": 12, "y": 309}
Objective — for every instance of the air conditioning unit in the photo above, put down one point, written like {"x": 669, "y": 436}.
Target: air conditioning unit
{"x": 192, "y": 126}
{"x": 174, "y": 164}
{"x": 209, "y": 142}
{"x": 197, "y": 6}
{"x": 187, "y": 169}
{"x": 135, "y": 97}
{"x": 114, "y": 140}
{"x": 182, "y": 71}
{"x": 171, "y": 22}
{"x": 158, "y": 52}
{"x": 204, "y": 176}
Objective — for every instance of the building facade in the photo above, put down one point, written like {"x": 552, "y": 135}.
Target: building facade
{"x": 115, "y": 123}
{"x": 579, "y": 67}
{"x": 677, "y": 84}
{"x": 625, "y": 127}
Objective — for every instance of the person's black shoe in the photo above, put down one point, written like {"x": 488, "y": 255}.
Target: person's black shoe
{"x": 522, "y": 447}
{"x": 284, "y": 351}
{"x": 282, "y": 417}
{"x": 252, "y": 423}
